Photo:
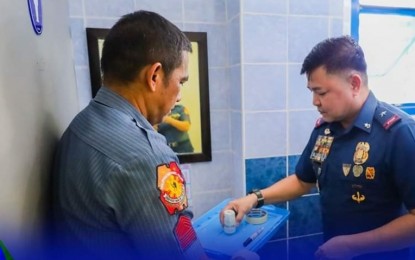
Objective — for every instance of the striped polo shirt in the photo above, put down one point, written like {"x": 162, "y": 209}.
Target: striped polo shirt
{"x": 118, "y": 188}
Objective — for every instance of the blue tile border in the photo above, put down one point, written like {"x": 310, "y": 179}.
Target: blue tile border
{"x": 305, "y": 216}
{"x": 263, "y": 172}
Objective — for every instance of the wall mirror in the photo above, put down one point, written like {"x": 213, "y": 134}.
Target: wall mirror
{"x": 193, "y": 106}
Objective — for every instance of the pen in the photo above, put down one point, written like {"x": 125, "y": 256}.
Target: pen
{"x": 253, "y": 236}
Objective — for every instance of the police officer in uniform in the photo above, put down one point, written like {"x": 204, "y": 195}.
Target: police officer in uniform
{"x": 361, "y": 156}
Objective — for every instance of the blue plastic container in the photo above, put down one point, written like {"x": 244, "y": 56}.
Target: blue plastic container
{"x": 407, "y": 107}
{"x": 220, "y": 245}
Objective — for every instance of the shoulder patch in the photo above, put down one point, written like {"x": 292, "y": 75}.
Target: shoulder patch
{"x": 386, "y": 117}
{"x": 172, "y": 187}
{"x": 319, "y": 122}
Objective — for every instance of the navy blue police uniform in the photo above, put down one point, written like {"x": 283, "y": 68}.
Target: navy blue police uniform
{"x": 365, "y": 174}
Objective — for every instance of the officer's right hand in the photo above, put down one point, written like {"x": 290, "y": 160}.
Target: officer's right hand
{"x": 241, "y": 207}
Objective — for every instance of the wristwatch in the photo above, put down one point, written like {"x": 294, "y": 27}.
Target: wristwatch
{"x": 260, "y": 198}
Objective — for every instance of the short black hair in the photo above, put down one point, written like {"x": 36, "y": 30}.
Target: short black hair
{"x": 139, "y": 39}
{"x": 336, "y": 55}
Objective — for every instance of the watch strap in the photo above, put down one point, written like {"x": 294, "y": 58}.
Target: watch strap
{"x": 260, "y": 197}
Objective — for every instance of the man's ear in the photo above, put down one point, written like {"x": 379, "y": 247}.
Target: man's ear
{"x": 154, "y": 75}
{"x": 356, "y": 81}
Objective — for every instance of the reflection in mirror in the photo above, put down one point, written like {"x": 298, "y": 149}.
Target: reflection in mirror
{"x": 176, "y": 127}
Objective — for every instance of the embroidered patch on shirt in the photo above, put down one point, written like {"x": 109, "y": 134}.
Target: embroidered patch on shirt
{"x": 172, "y": 187}
{"x": 184, "y": 232}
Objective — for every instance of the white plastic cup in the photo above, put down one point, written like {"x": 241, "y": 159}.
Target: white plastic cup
{"x": 229, "y": 223}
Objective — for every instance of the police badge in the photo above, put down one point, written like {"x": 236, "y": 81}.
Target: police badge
{"x": 362, "y": 153}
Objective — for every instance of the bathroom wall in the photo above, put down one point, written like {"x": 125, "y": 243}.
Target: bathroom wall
{"x": 278, "y": 115}
{"x": 211, "y": 182}
{"x": 260, "y": 110}
{"x": 37, "y": 101}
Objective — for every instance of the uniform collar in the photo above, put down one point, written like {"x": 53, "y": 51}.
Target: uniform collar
{"x": 111, "y": 99}
{"x": 364, "y": 120}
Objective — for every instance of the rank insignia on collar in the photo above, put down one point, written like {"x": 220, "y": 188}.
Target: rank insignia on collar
{"x": 361, "y": 153}
{"x": 171, "y": 184}
{"x": 370, "y": 173}
{"x": 327, "y": 131}
{"x": 386, "y": 117}
{"x": 391, "y": 121}
{"x": 346, "y": 168}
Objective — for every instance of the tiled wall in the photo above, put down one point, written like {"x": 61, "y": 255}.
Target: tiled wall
{"x": 261, "y": 112}
{"x": 277, "y": 113}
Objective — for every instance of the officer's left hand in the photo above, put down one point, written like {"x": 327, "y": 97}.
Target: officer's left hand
{"x": 336, "y": 248}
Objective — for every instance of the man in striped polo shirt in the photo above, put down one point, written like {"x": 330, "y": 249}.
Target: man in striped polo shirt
{"x": 119, "y": 191}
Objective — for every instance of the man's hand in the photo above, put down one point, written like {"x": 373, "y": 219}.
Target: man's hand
{"x": 241, "y": 207}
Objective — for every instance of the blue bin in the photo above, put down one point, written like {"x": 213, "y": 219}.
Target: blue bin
{"x": 220, "y": 245}
{"x": 407, "y": 107}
